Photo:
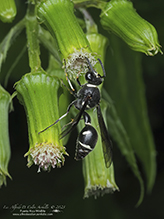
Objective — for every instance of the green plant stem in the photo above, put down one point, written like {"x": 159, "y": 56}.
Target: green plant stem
{"x": 32, "y": 38}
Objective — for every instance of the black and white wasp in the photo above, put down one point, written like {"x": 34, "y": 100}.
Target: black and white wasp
{"x": 86, "y": 98}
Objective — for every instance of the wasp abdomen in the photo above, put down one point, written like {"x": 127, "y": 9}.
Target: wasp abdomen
{"x": 86, "y": 142}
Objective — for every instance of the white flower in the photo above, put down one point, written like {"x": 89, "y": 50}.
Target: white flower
{"x": 45, "y": 155}
{"x": 77, "y": 63}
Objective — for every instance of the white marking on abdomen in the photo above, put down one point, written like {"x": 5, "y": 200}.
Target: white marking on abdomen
{"x": 86, "y": 132}
{"x": 85, "y": 146}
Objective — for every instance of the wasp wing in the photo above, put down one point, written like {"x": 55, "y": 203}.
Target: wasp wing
{"x": 105, "y": 138}
{"x": 75, "y": 121}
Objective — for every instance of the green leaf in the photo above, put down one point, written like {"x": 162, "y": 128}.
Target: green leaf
{"x": 16, "y": 61}
{"x": 120, "y": 135}
{"x": 127, "y": 89}
{"x": 8, "y": 40}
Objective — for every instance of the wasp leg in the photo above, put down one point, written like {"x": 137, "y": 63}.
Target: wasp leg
{"x": 69, "y": 82}
{"x": 72, "y": 91}
{"x": 76, "y": 120}
{"x": 68, "y": 109}
{"x": 79, "y": 83}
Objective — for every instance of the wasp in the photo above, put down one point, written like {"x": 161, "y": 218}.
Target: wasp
{"x": 88, "y": 97}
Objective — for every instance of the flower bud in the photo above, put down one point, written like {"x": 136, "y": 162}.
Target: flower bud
{"x": 5, "y": 101}
{"x": 99, "y": 44}
{"x": 38, "y": 92}
{"x": 98, "y": 179}
{"x": 121, "y": 18}
{"x": 59, "y": 18}
{"x": 7, "y": 10}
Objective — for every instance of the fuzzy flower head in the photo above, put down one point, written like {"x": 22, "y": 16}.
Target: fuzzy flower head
{"x": 99, "y": 190}
{"x": 46, "y": 155}
{"x": 76, "y": 63}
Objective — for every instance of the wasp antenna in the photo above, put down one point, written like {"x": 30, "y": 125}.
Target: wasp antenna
{"x": 90, "y": 66}
{"x": 104, "y": 73}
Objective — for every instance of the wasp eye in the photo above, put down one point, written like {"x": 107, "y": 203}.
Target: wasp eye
{"x": 89, "y": 76}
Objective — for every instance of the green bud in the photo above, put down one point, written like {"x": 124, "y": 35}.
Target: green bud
{"x": 98, "y": 179}
{"x": 7, "y": 10}
{"x": 59, "y": 18}
{"x": 99, "y": 45}
{"x": 121, "y": 18}
{"x": 64, "y": 25}
{"x": 91, "y": 3}
{"x": 5, "y": 101}
{"x": 38, "y": 92}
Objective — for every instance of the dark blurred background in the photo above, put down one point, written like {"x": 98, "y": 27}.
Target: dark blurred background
{"x": 64, "y": 187}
